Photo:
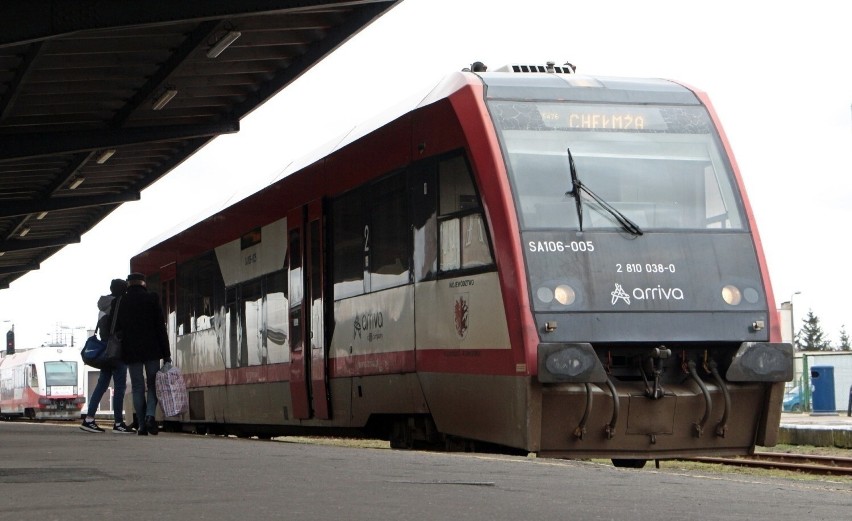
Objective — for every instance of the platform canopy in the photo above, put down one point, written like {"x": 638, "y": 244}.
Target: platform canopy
{"x": 100, "y": 98}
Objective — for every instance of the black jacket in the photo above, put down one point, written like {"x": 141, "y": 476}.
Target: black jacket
{"x": 142, "y": 327}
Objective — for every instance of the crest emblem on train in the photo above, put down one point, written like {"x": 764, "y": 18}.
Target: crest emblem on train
{"x": 620, "y": 294}
{"x": 461, "y": 315}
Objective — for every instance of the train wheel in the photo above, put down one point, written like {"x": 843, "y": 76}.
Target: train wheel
{"x": 629, "y": 463}
{"x": 456, "y": 444}
{"x": 401, "y": 436}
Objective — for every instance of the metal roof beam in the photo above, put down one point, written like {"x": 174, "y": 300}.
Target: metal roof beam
{"x": 23, "y": 71}
{"x": 21, "y": 268}
{"x": 32, "y": 20}
{"x": 201, "y": 34}
{"x": 314, "y": 54}
{"x": 20, "y": 146}
{"x": 37, "y": 244}
{"x": 15, "y": 208}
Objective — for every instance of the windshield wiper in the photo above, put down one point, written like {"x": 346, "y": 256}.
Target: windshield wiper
{"x": 577, "y": 187}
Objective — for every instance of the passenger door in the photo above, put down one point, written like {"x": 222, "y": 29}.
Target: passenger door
{"x": 299, "y": 363}
{"x": 315, "y": 299}
{"x": 309, "y": 386}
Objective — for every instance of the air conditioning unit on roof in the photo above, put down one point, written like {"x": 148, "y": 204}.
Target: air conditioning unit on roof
{"x": 551, "y": 67}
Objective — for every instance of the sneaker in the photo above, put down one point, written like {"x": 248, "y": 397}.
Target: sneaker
{"x": 122, "y": 428}
{"x": 90, "y": 426}
{"x": 151, "y": 426}
{"x": 142, "y": 432}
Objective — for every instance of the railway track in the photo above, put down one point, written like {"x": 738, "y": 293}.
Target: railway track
{"x": 805, "y": 463}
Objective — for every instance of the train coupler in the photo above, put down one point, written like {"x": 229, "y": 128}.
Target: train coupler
{"x": 655, "y": 361}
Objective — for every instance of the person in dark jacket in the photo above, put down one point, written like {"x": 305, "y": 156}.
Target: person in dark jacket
{"x": 144, "y": 342}
{"x": 117, "y": 374}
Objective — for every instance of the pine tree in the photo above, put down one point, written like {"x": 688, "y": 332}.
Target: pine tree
{"x": 844, "y": 339}
{"x": 811, "y": 337}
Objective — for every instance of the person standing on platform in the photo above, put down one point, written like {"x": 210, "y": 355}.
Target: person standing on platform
{"x": 144, "y": 342}
{"x": 118, "y": 373}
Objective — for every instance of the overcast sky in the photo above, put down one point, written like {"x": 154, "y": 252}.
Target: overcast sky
{"x": 777, "y": 73}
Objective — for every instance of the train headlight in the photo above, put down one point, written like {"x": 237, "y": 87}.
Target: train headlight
{"x": 545, "y": 294}
{"x": 569, "y": 362}
{"x": 762, "y": 362}
{"x": 751, "y": 295}
{"x": 732, "y": 295}
{"x": 565, "y": 294}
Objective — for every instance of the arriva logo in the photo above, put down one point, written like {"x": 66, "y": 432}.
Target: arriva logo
{"x": 368, "y": 322}
{"x": 656, "y": 293}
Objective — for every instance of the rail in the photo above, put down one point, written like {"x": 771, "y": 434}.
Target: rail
{"x": 805, "y": 463}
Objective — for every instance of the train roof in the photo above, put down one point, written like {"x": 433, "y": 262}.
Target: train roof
{"x": 433, "y": 93}
{"x": 539, "y": 86}
{"x": 38, "y": 354}
{"x": 573, "y": 87}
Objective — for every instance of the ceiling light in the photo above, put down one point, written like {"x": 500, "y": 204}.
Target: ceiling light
{"x": 223, "y": 43}
{"x": 76, "y": 182}
{"x": 24, "y": 232}
{"x": 104, "y": 157}
{"x": 164, "y": 98}
{"x": 41, "y": 216}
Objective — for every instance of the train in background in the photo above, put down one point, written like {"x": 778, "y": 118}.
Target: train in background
{"x": 44, "y": 383}
{"x": 526, "y": 258}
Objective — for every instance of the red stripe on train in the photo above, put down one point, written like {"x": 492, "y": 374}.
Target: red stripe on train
{"x": 465, "y": 361}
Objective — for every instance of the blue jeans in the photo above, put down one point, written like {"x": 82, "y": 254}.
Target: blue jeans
{"x": 118, "y": 375}
{"x": 144, "y": 407}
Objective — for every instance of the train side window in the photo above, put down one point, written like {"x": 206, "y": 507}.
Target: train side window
{"x": 200, "y": 285}
{"x": 275, "y": 312}
{"x": 464, "y": 242}
{"x": 424, "y": 208}
{"x": 186, "y": 289}
{"x": 231, "y": 335}
{"x": 251, "y": 321}
{"x": 349, "y": 244}
{"x": 208, "y": 284}
{"x": 389, "y": 234}
{"x": 33, "y": 376}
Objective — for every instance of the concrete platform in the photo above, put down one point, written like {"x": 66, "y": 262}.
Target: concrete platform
{"x": 819, "y": 430}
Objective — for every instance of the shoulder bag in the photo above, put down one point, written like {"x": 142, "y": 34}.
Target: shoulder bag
{"x": 112, "y": 353}
{"x": 93, "y": 352}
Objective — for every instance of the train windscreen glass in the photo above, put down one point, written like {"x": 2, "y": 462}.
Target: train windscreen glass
{"x": 60, "y": 373}
{"x": 660, "y": 166}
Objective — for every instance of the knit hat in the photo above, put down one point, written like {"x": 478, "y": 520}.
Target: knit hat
{"x": 136, "y": 276}
{"x": 117, "y": 286}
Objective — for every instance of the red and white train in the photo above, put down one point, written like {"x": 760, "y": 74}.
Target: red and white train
{"x": 45, "y": 383}
{"x": 528, "y": 258}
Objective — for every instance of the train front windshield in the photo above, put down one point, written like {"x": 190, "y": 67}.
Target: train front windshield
{"x": 660, "y": 166}
{"x": 60, "y": 373}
